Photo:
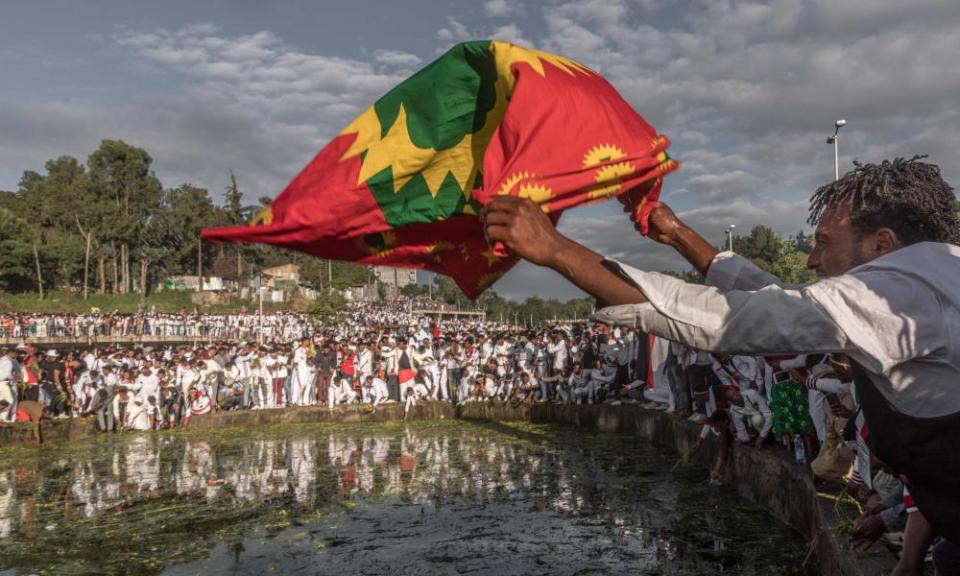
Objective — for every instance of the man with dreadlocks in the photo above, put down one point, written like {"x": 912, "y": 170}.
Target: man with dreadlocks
{"x": 888, "y": 260}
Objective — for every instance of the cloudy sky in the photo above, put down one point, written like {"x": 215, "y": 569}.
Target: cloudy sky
{"x": 747, "y": 91}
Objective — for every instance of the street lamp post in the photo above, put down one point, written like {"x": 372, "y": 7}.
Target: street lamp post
{"x": 835, "y": 139}
{"x": 260, "y": 300}
{"x": 729, "y": 233}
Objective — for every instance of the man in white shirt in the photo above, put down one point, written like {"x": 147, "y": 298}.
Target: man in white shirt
{"x": 751, "y": 414}
{"x": 303, "y": 375}
{"x": 887, "y": 252}
{"x": 738, "y": 370}
{"x": 9, "y": 383}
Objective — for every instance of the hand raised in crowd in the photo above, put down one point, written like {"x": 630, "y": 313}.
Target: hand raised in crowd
{"x": 523, "y": 228}
{"x": 663, "y": 222}
{"x": 665, "y": 227}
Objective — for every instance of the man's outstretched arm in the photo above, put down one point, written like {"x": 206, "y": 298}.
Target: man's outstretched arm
{"x": 666, "y": 228}
{"x": 528, "y": 233}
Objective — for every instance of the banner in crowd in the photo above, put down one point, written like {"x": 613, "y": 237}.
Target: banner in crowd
{"x": 403, "y": 184}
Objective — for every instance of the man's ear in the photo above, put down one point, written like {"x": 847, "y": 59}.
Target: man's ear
{"x": 884, "y": 241}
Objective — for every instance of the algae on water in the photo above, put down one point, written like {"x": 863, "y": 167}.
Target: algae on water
{"x": 389, "y": 498}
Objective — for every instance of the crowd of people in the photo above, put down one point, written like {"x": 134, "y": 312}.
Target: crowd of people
{"x": 99, "y": 326}
{"x": 383, "y": 353}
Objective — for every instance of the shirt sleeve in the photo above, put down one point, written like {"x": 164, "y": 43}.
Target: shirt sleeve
{"x": 766, "y": 321}
{"x": 728, "y": 271}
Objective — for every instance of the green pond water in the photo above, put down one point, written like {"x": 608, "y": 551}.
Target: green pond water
{"x": 426, "y": 498}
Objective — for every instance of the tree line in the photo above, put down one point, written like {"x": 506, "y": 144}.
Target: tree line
{"x": 110, "y": 226}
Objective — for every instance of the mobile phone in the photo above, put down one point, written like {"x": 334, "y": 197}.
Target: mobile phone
{"x": 781, "y": 377}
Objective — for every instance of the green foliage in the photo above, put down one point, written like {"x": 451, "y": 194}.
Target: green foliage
{"x": 328, "y": 305}
{"x": 785, "y": 258}
{"x": 415, "y": 291}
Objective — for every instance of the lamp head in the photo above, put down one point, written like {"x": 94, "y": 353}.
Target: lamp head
{"x": 840, "y": 123}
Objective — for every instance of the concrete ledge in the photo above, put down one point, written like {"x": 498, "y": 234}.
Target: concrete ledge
{"x": 78, "y": 428}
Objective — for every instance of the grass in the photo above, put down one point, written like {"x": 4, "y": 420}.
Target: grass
{"x": 170, "y": 301}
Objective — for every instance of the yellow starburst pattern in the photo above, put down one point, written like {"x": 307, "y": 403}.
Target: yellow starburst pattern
{"x": 435, "y": 250}
{"x": 507, "y": 54}
{"x": 487, "y": 279}
{"x": 538, "y": 193}
{"x": 490, "y": 256}
{"x": 610, "y": 175}
{"x": 520, "y": 182}
{"x": 602, "y": 153}
{"x": 510, "y": 183}
{"x": 377, "y": 244}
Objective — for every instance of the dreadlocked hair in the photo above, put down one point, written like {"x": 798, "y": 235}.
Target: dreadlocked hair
{"x": 907, "y": 196}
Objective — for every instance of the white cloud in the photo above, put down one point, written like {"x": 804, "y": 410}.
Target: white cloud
{"x": 252, "y": 103}
{"x": 455, "y": 32}
{"x": 501, "y": 8}
{"x": 397, "y": 59}
{"x": 747, "y": 90}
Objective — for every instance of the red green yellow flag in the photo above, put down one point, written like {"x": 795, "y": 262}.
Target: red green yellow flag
{"x": 403, "y": 183}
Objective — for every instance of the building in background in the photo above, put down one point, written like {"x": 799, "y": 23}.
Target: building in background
{"x": 395, "y": 277}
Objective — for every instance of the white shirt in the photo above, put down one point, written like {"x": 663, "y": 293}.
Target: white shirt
{"x": 898, "y": 316}
{"x": 753, "y": 405}
{"x": 9, "y": 369}
{"x": 148, "y": 386}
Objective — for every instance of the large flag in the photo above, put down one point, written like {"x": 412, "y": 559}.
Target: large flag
{"x": 403, "y": 183}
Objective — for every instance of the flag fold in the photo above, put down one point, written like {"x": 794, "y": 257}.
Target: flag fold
{"x": 403, "y": 183}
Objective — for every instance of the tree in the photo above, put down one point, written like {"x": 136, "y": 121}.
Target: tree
{"x": 17, "y": 266}
{"x": 184, "y": 211}
{"x": 414, "y": 291}
{"x": 328, "y": 306}
{"x": 762, "y": 244}
{"x": 790, "y": 265}
{"x": 128, "y": 193}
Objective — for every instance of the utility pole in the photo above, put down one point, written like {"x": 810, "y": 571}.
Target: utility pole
{"x": 835, "y": 139}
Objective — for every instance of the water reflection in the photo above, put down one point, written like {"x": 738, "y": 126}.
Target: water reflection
{"x": 481, "y": 494}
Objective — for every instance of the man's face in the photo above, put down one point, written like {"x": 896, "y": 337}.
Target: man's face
{"x": 838, "y": 247}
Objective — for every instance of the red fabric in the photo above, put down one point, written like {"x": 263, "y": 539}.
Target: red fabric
{"x": 405, "y": 375}
{"x": 553, "y": 121}
{"x": 22, "y": 416}
{"x": 347, "y": 366}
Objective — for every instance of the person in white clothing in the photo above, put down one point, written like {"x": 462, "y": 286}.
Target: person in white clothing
{"x": 9, "y": 384}
{"x": 751, "y": 415}
{"x": 303, "y": 375}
